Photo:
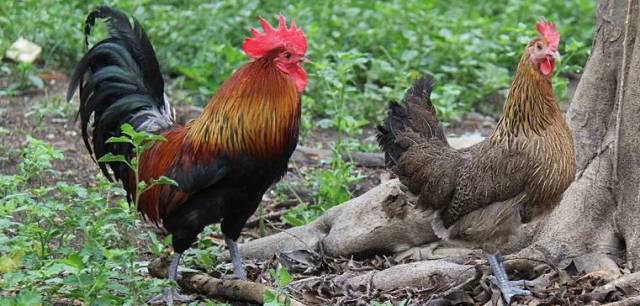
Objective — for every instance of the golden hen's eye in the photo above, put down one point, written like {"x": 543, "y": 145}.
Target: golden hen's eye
{"x": 539, "y": 47}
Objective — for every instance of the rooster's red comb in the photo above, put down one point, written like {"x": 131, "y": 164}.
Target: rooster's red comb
{"x": 549, "y": 33}
{"x": 261, "y": 43}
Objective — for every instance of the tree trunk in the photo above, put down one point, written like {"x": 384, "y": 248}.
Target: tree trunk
{"x": 595, "y": 226}
{"x": 600, "y": 211}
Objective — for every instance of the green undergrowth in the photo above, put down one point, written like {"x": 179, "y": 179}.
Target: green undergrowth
{"x": 471, "y": 47}
{"x": 70, "y": 242}
{"x": 67, "y": 241}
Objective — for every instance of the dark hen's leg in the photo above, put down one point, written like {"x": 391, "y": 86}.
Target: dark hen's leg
{"x": 171, "y": 294}
{"x": 507, "y": 289}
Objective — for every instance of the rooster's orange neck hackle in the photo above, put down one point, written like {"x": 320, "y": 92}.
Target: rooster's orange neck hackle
{"x": 266, "y": 111}
{"x": 530, "y": 106}
{"x": 257, "y": 110}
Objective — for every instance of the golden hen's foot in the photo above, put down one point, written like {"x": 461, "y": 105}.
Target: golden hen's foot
{"x": 507, "y": 288}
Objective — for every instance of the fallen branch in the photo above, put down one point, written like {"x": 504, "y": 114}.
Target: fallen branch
{"x": 203, "y": 284}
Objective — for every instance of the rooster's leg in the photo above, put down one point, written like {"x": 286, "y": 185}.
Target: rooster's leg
{"x": 236, "y": 260}
{"x": 506, "y": 287}
{"x": 171, "y": 294}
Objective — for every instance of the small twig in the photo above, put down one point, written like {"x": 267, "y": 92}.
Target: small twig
{"x": 284, "y": 231}
{"x": 270, "y": 216}
{"x": 304, "y": 280}
{"x": 474, "y": 278}
{"x": 518, "y": 260}
{"x": 289, "y": 203}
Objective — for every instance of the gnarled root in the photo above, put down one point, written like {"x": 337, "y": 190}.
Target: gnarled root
{"x": 377, "y": 222}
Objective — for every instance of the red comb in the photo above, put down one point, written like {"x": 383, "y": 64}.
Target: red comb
{"x": 547, "y": 30}
{"x": 263, "y": 42}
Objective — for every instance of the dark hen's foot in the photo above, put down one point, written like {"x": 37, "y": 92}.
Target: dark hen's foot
{"x": 507, "y": 288}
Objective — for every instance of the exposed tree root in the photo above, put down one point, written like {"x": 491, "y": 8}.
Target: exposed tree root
{"x": 629, "y": 284}
{"x": 381, "y": 221}
{"x": 422, "y": 274}
{"x": 203, "y": 284}
{"x": 632, "y": 301}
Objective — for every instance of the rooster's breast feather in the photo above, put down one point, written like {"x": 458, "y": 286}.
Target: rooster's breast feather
{"x": 192, "y": 169}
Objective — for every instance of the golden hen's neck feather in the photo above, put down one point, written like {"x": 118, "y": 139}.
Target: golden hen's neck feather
{"x": 530, "y": 106}
{"x": 256, "y": 112}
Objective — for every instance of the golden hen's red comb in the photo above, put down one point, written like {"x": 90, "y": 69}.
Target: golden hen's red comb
{"x": 549, "y": 33}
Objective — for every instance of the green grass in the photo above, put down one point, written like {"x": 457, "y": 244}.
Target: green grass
{"x": 471, "y": 47}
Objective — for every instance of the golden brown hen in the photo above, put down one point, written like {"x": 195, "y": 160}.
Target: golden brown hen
{"x": 483, "y": 192}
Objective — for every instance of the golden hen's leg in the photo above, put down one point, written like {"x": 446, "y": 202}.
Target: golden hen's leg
{"x": 507, "y": 289}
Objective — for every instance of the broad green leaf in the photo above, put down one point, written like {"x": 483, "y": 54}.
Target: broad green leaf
{"x": 119, "y": 139}
{"x": 128, "y": 130}
{"x": 29, "y": 298}
{"x": 163, "y": 180}
{"x": 109, "y": 157}
{"x": 73, "y": 260}
{"x": 284, "y": 276}
{"x": 269, "y": 298}
{"x": 10, "y": 263}
{"x": 142, "y": 185}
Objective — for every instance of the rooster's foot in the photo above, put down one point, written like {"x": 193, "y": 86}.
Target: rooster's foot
{"x": 169, "y": 297}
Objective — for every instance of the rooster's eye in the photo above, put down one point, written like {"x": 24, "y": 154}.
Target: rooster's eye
{"x": 287, "y": 55}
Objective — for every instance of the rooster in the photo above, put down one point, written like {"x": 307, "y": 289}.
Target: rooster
{"x": 516, "y": 175}
{"x": 224, "y": 160}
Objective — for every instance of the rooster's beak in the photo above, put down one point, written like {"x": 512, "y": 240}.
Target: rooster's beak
{"x": 305, "y": 60}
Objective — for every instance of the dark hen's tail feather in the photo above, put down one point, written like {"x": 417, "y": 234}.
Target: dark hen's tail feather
{"x": 415, "y": 119}
{"x": 120, "y": 82}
